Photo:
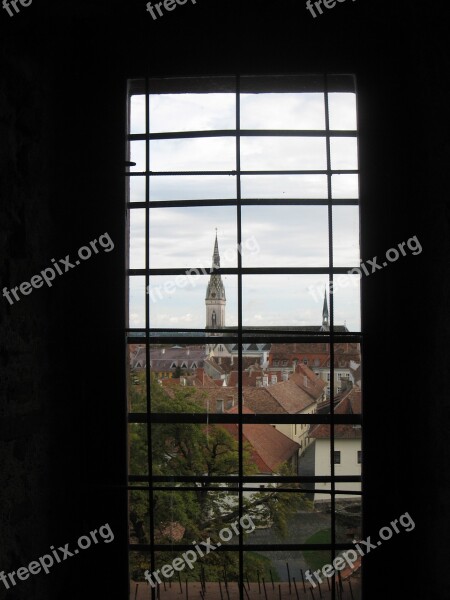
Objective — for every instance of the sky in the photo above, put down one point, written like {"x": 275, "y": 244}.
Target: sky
{"x": 272, "y": 236}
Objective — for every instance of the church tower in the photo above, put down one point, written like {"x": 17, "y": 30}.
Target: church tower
{"x": 325, "y": 324}
{"x": 215, "y": 294}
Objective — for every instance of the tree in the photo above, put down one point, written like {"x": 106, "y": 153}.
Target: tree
{"x": 178, "y": 372}
{"x": 201, "y": 508}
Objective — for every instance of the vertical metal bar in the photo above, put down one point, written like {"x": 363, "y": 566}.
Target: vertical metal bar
{"x": 296, "y": 590}
{"x": 264, "y": 586}
{"x": 289, "y": 577}
{"x": 331, "y": 321}
{"x": 303, "y": 580}
{"x": 240, "y": 361}
{"x": 147, "y": 327}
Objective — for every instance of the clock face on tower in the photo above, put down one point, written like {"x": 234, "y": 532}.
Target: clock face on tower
{"x": 213, "y": 295}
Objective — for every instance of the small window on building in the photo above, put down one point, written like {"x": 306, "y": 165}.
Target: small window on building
{"x": 359, "y": 457}
{"x": 337, "y": 457}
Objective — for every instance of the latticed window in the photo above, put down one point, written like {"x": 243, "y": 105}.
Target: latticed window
{"x": 243, "y": 225}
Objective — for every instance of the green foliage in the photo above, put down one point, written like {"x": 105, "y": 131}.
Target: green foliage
{"x": 178, "y": 372}
{"x": 189, "y": 449}
{"x": 316, "y": 559}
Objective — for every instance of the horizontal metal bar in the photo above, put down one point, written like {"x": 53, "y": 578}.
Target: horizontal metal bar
{"x": 181, "y": 203}
{"x": 242, "y": 173}
{"x": 235, "y": 479}
{"x": 178, "y": 548}
{"x": 174, "y": 488}
{"x": 267, "y": 336}
{"x": 212, "y": 133}
{"x": 245, "y": 418}
{"x": 248, "y": 332}
{"x": 191, "y": 339}
{"x": 155, "y": 204}
{"x": 194, "y": 271}
{"x": 299, "y": 202}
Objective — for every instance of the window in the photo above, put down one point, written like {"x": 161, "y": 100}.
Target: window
{"x": 342, "y": 376}
{"x": 242, "y": 215}
{"x": 359, "y": 457}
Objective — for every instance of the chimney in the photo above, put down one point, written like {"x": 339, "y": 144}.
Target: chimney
{"x": 219, "y": 405}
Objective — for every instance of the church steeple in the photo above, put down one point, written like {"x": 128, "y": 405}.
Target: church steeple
{"x": 325, "y": 324}
{"x": 215, "y": 300}
{"x": 216, "y": 255}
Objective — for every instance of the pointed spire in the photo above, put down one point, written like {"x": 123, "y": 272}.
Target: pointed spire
{"x": 216, "y": 255}
{"x": 325, "y": 310}
{"x": 215, "y": 292}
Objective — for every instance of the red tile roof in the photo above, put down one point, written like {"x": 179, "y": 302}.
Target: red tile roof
{"x": 312, "y": 385}
{"x": 269, "y": 447}
{"x": 350, "y": 404}
{"x": 317, "y": 353}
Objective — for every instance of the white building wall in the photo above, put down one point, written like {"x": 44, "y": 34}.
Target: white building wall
{"x": 339, "y": 374}
{"x": 299, "y": 433}
{"x": 348, "y": 466}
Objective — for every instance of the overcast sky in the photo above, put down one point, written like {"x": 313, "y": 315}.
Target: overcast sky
{"x": 275, "y": 236}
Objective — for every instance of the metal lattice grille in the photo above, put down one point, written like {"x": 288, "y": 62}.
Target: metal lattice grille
{"x": 156, "y": 533}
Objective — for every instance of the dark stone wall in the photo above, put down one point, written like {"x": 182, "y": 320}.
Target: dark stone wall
{"x": 63, "y": 73}
{"x": 25, "y": 365}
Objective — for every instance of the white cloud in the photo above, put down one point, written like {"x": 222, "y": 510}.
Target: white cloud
{"x": 286, "y": 236}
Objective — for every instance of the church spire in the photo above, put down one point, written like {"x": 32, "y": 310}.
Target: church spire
{"x": 215, "y": 294}
{"x": 216, "y": 255}
{"x": 325, "y": 324}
